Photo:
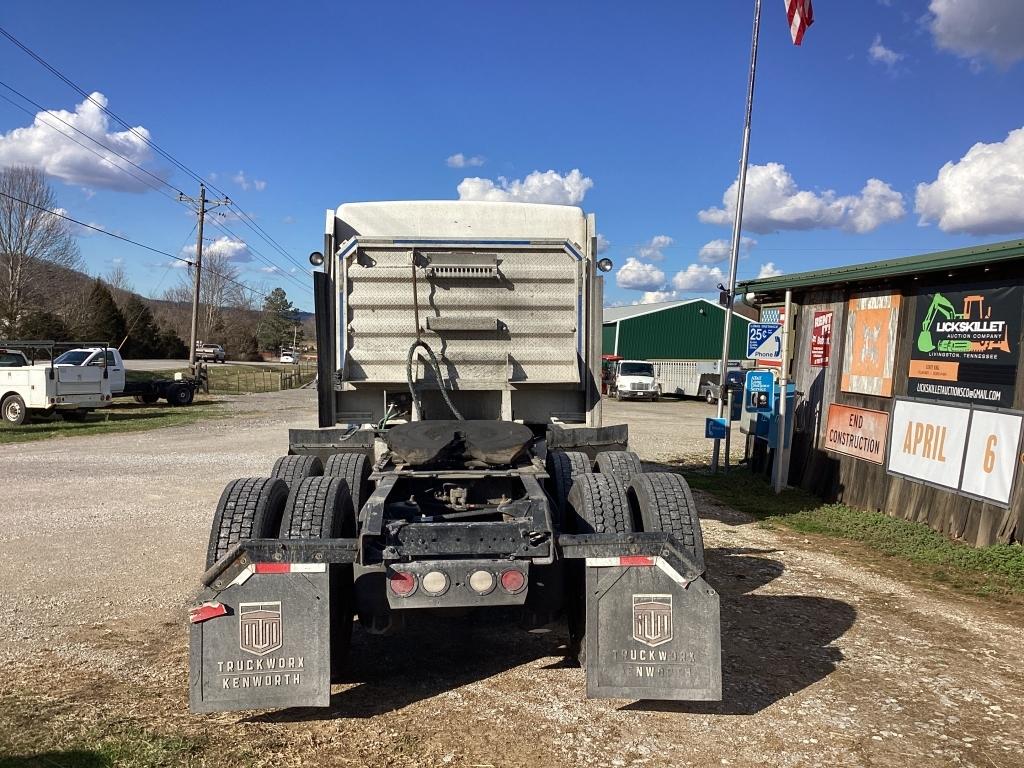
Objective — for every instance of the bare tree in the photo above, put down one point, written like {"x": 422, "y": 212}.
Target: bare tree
{"x": 118, "y": 281}
{"x": 30, "y": 238}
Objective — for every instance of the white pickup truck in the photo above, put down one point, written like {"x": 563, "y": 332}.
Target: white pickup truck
{"x": 43, "y": 389}
{"x": 175, "y": 391}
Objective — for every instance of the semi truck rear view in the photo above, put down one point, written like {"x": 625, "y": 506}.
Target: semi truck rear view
{"x": 460, "y": 464}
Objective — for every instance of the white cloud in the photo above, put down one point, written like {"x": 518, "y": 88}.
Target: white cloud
{"x": 74, "y": 228}
{"x": 270, "y": 270}
{"x": 979, "y": 29}
{"x": 246, "y": 183}
{"x": 769, "y": 270}
{"x": 603, "y": 244}
{"x": 882, "y": 55}
{"x": 459, "y": 160}
{"x": 52, "y": 151}
{"x": 656, "y": 297}
{"x": 652, "y": 250}
{"x": 773, "y": 202}
{"x": 698, "y": 278}
{"x": 982, "y": 193}
{"x": 537, "y": 187}
{"x": 717, "y": 251}
{"x": 638, "y": 276}
{"x": 234, "y": 250}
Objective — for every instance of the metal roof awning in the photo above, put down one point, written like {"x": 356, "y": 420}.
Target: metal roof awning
{"x": 878, "y": 270}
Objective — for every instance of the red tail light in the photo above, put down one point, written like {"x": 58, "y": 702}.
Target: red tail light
{"x": 402, "y": 583}
{"x": 513, "y": 580}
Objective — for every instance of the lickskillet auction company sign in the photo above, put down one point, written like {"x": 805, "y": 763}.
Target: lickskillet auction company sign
{"x": 963, "y": 344}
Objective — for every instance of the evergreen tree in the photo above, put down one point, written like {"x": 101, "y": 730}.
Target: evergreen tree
{"x": 44, "y": 325}
{"x": 103, "y": 321}
{"x": 171, "y": 346}
{"x": 143, "y": 333}
{"x": 278, "y": 322}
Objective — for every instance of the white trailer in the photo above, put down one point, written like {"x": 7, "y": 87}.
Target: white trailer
{"x": 690, "y": 378}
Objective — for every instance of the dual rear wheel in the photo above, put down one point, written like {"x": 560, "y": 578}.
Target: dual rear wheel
{"x": 304, "y": 498}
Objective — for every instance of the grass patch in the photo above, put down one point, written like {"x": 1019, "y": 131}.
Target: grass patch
{"x": 997, "y": 569}
{"x": 43, "y": 732}
{"x": 119, "y": 417}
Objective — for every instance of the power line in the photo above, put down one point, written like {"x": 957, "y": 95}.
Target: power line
{"x": 178, "y": 199}
{"x": 242, "y": 285}
{"x": 247, "y": 219}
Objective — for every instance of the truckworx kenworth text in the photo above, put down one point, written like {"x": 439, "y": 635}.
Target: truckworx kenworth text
{"x": 461, "y": 464}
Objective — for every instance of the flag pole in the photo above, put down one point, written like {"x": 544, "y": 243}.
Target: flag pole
{"x": 737, "y": 227}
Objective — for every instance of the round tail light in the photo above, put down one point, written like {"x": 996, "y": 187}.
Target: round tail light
{"x": 402, "y": 583}
{"x": 435, "y": 583}
{"x": 481, "y": 582}
{"x": 513, "y": 580}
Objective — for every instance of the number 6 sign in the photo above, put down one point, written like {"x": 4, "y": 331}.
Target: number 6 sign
{"x": 991, "y": 457}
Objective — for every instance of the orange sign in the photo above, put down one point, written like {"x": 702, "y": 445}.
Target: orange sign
{"x": 857, "y": 432}
{"x": 870, "y": 349}
{"x": 940, "y": 370}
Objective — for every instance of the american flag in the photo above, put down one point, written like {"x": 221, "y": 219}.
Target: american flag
{"x": 800, "y": 16}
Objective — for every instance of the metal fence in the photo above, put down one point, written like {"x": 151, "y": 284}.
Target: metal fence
{"x": 240, "y": 379}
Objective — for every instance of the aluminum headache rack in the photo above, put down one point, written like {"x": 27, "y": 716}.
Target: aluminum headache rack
{"x": 261, "y": 633}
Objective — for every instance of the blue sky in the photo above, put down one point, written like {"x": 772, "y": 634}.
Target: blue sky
{"x": 321, "y": 103}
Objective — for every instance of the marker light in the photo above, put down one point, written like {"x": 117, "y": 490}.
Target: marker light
{"x": 402, "y": 583}
{"x": 481, "y": 582}
{"x": 513, "y": 580}
{"x": 435, "y": 583}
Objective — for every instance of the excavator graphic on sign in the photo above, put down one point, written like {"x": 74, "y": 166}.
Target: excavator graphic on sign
{"x": 942, "y": 306}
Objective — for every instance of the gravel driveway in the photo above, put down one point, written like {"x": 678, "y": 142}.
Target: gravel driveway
{"x": 827, "y": 660}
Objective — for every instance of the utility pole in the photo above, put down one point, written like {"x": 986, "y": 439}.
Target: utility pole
{"x": 201, "y": 209}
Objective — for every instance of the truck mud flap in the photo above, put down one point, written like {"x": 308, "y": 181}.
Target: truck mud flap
{"x": 651, "y": 633}
{"x": 263, "y": 641}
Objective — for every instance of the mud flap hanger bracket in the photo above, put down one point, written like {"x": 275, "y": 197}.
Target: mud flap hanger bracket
{"x": 255, "y": 552}
{"x": 626, "y": 549}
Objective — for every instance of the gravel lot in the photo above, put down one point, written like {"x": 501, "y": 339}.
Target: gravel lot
{"x": 828, "y": 659}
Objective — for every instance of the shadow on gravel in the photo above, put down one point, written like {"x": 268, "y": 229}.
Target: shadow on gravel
{"x": 772, "y": 645}
{"x": 430, "y": 656}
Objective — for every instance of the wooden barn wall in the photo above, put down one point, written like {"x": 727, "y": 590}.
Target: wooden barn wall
{"x": 861, "y": 484}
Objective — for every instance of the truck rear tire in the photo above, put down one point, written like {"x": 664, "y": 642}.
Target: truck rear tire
{"x": 181, "y": 394}
{"x": 320, "y": 507}
{"x": 293, "y": 469}
{"x": 663, "y": 502}
{"x": 78, "y": 414}
{"x": 563, "y": 467}
{"x": 249, "y": 508}
{"x": 621, "y": 465}
{"x": 353, "y": 468}
{"x": 13, "y": 410}
{"x": 598, "y": 504}
{"x": 147, "y": 399}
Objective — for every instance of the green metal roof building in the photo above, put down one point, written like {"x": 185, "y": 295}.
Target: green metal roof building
{"x": 672, "y": 330}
